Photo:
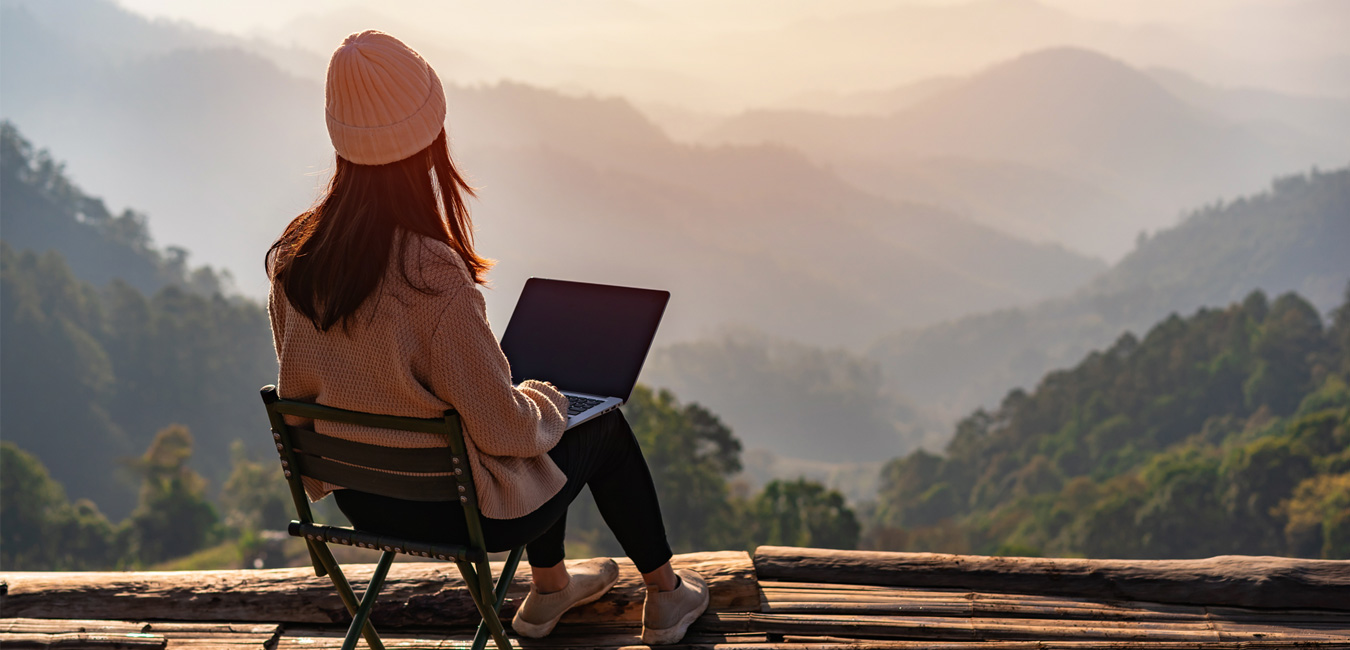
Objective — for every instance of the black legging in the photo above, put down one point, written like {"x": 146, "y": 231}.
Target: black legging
{"x": 601, "y": 453}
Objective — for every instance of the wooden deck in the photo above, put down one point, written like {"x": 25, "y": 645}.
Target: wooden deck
{"x": 780, "y": 598}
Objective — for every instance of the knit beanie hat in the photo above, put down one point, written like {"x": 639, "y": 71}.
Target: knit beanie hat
{"x": 383, "y": 101}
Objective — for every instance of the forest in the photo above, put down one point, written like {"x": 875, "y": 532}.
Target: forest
{"x": 133, "y": 436}
{"x": 1225, "y": 432}
{"x": 148, "y": 404}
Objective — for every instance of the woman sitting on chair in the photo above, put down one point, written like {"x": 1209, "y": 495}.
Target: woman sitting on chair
{"x": 375, "y": 308}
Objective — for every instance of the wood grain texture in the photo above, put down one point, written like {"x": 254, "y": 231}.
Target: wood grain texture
{"x": 788, "y": 598}
{"x": 415, "y": 594}
{"x": 83, "y": 641}
{"x": 1242, "y": 581}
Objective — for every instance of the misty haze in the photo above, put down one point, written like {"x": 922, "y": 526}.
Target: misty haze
{"x": 892, "y": 231}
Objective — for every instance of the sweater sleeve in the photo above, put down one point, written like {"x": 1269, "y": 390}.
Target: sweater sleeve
{"x": 471, "y": 373}
{"x": 276, "y": 312}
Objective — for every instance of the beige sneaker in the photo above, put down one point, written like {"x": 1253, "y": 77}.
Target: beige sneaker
{"x": 540, "y": 612}
{"x": 667, "y": 615}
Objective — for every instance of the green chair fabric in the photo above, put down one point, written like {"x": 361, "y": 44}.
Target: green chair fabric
{"x": 430, "y": 477}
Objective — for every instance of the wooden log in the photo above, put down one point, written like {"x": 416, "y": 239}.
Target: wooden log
{"x": 415, "y": 593}
{"x": 1236, "y": 580}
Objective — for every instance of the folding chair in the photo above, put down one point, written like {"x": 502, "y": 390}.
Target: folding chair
{"x": 326, "y": 458}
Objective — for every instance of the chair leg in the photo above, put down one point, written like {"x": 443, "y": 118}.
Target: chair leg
{"x": 483, "y": 598}
{"x": 368, "y": 601}
{"x": 345, "y": 591}
{"x": 503, "y": 582}
{"x": 320, "y": 569}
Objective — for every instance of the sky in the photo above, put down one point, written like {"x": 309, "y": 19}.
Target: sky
{"x": 246, "y": 17}
{"x": 723, "y": 57}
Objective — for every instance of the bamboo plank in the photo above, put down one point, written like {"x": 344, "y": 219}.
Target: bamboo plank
{"x": 257, "y": 643}
{"x": 841, "y": 643}
{"x": 805, "y": 598}
{"x": 62, "y": 626}
{"x": 425, "y": 594}
{"x": 920, "y": 602}
{"x": 220, "y": 629}
{"x": 980, "y": 628}
{"x": 82, "y": 640}
{"x": 1244, "y": 581}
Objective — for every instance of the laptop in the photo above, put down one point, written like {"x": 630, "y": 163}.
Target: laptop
{"x": 589, "y": 340}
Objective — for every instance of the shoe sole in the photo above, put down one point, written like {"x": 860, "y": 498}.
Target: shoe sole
{"x": 541, "y": 630}
{"x": 673, "y": 634}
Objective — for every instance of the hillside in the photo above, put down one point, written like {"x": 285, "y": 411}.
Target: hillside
{"x": 1223, "y": 432}
{"x": 44, "y": 211}
{"x": 98, "y": 354}
{"x": 110, "y": 392}
{"x": 1290, "y": 238}
{"x": 223, "y": 147}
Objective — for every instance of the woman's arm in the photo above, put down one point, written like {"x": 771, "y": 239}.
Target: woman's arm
{"x": 469, "y": 370}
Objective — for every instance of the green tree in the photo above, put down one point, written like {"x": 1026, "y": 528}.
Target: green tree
{"x": 1318, "y": 517}
{"x": 1286, "y": 345}
{"x": 802, "y": 513}
{"x": 1258, "y": 477}
{"x": 912, "y": 492}
{"x": 174, "y": 518}
{"x": 41, "y": 530}
{"x": 1339, "y": 335}
{"x": 691, "y": 454}
{"x": 255, "y": 496}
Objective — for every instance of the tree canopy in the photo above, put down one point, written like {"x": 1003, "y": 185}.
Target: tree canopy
{"x": 1224, "y": 432}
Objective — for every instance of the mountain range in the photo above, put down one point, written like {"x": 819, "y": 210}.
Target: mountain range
{"x": 221, "y": 147}
{"x": 1291, "y": 237}
{"x": 1064, "y": 145}
{"x": 888, "y": 270}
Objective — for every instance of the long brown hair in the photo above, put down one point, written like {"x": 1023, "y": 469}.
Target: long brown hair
{"x": 333, "y": 257}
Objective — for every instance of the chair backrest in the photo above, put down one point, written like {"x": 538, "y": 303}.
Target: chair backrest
{"x": 436, "y": 474}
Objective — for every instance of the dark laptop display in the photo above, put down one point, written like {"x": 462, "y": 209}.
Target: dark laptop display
{"x": 584, "y": 338}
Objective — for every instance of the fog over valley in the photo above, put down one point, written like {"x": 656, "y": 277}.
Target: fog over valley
{"x": 874, "y": 217}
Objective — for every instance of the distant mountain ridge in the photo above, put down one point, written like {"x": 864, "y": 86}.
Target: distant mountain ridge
{"x": 222, "y": 148}
{"x": 44, "y": 211}
{"x": 1291, "y": 237}
{"x": 1068, "y": 118}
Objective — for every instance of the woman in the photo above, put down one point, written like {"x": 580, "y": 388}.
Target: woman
{"x": 374, "y": 307}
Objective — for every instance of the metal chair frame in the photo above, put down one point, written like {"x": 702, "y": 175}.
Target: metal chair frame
{"x": 358, "y": 466}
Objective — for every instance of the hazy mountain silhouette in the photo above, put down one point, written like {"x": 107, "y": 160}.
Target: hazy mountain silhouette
{"x": 798, "y": 401}
{"x": 1291, "y": 237}
{"x": 1085, "y": 124}
{"x": 207, "y": 141}
{"x": 43, "y": 211}
{"x": 216, "y": 145}
{"x": 911, "y": 40}
{"x": 1309, "y": 120}
{"x": 874, "y": 102}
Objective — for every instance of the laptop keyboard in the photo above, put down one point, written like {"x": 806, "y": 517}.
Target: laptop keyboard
{"x": 576, "y": 404}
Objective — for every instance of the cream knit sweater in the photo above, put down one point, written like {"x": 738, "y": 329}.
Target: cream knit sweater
{"x": 412, "y": 354}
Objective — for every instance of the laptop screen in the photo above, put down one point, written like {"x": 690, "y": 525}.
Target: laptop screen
{"x": 585, "y": 338}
